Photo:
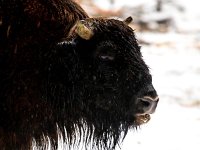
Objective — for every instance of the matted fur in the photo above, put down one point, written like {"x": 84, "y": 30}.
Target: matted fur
{"x": 53, "y": 80}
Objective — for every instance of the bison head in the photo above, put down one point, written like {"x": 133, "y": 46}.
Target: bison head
{"x": 98, "y": 77}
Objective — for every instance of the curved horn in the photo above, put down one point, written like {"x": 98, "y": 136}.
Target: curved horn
{"x": 128, "y": 20}
{"x": 83, "y": 31}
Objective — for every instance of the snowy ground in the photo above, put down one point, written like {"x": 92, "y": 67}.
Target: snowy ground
{"x": 172, "y": 128}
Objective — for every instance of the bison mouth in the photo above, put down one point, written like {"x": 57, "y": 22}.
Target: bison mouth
{"x": 146, "y": 106}
{"x": 142, "y": 119}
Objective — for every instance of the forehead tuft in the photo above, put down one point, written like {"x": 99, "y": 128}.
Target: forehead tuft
{"x": 113, "y": 31}
{"x": 104, "y": 24}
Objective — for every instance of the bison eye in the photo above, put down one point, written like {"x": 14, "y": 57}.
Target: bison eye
{"x": 106, "y": 53}
{"x": 106, "y": 57}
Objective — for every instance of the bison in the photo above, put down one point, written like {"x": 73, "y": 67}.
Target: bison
{"x": 63, "y": 70}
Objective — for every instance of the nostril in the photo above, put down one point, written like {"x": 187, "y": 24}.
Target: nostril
{"x": 147, "y": 104}
{"x": 144, "y": 103}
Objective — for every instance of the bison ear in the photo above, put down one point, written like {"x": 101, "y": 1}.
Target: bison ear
{"x": 128, "y": 20}
{"x": 83, "y": 31}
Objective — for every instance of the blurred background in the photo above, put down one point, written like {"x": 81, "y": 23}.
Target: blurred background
{"x": 169, "y": 33}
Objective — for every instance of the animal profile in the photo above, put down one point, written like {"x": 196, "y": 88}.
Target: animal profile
{"x": 63, "y": 70}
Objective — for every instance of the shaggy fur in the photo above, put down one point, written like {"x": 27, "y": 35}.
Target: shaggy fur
{"x": 50, "y": 78}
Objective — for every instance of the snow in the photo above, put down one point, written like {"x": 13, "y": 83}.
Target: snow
{"x": 175, "y": 65}
{"x": 171, "y": 128}
{"x": 117, "y": 4}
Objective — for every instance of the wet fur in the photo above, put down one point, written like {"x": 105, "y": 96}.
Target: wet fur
{"x": 50, "y": 82}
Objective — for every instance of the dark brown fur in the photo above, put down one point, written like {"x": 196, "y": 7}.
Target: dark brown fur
{"x": 49, "y": 80}
{"x": 28, "y": 26}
